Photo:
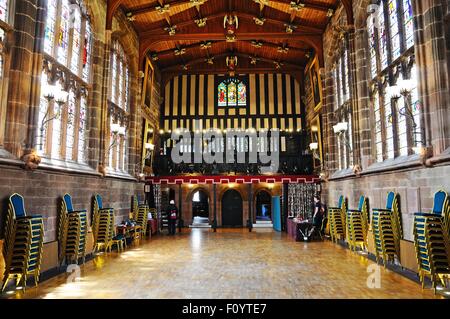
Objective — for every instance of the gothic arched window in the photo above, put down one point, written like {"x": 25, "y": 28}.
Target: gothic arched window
{"x": 118, "y": 108}
{"x": 396, "y": 106}
{"x": 343, "y": 108}
{"x": 62, "y": 121}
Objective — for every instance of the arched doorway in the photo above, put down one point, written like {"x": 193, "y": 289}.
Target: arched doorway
{"x": 232, "y": 209}
{"x": 200, "y": 204}
{"x": 263, "y": 206}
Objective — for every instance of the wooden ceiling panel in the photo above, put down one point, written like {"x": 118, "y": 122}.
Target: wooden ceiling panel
{"x": 288, "y": 33}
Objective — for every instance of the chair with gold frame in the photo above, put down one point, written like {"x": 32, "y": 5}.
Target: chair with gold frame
{"x": 336, "y": 220}
{"x": 387, "y": 229}
{"x": 72, "y": 232}
{"x": 141, "y": 219}
{"x": 357, "y": 225}
{"x": 22, "y": 248}
{"x": 102, "y": 226}
{"x": 431, "y": 241}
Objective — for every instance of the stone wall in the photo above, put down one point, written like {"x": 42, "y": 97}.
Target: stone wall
{"x": 415, "y": 179}
{"x": 43, "y": 187}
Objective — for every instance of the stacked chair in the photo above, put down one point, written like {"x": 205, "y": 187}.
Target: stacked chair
{"x": 22, "y": 249}
{"x": 116, "y": 239}
{"x": 357, "y": 225}
{"x": 102, "y": 224}
{"x": 72, "y": 232}
{"x": 387, "y": 230}
{"x": 336, "y": 218}
{"x": 431, "y": 240}
{"x": 141, "y": 219}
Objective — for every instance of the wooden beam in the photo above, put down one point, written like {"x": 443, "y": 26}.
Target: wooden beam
{"x": 309, "y": 4}
{"x": 315, "y": 41}
{"x": 348, "y": 6}
{"x": 154, "y": 27}
{"x": 152, "y": 7}
{"x": 111, "y": 8}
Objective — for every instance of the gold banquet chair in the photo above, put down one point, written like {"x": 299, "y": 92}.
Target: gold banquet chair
{"x": 387, "y": 229}
{"x": 102, "y": 224}
{"x": 431, "y": 241}
{"x": 72, "y": 232}
{"x": 22, "y": 249}
{"x": 356, "y": 226}
{"x": 141, "y": 219}
{"x": 336, "y": 220}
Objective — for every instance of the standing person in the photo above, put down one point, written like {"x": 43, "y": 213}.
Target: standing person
{"x": 318, "y": 215}
{"x": 173, "y": 213}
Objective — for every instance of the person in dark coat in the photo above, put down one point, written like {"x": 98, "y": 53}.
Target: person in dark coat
{"x": 172, "y": 211}
{"x": 318, "y": 215}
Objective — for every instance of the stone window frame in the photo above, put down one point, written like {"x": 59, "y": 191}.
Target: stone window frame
{"x": 7, "y": 28}
{"x": 400, "y": 67}
{"x": 71, "y": 83}
{"x": 117, "y": 155}
{"x": 343, "y": 104}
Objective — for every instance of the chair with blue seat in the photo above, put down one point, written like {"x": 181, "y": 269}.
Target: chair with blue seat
{"x": 72, "y": 232}
{"x": 22, "y": 249}
{"x": 336, "y": 218}
{"x": 102, "y": 224}
{"x": 357, "y": 225}
{"x": 431, "y": 241}
{"x": 387, "y": 229}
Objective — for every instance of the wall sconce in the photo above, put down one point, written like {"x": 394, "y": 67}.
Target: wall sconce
{"x": 341, "y": 129}
{"x": 60, "y": 99}
{"x": 314, "y": 147}
{"x": 117, "y": 131}
{"x": 403, "y": 88}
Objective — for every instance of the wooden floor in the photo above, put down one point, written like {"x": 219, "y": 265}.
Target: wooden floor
{"x": 228, "y": 264}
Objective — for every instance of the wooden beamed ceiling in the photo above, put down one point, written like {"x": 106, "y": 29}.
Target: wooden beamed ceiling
{"x": 189, "y": 36}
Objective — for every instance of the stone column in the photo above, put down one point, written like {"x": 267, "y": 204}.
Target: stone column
{"x": 96, "y": 102}
{"x": 20, "y": 117}
{"x": 432, "y": 64}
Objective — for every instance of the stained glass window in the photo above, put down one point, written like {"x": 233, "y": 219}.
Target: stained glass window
{"x": 222, "y": 99}
{"x": 76, "y": 39}
{"x": 232, "y": 92}
{"x": 382, "y": 38}
{"x": 242, "y": 94}
{"x": 63, "y": 33}
{"x": 4, "y": 10}
{"x": 397, "y": 121}
{"x": 50, "y": 25}
{"x": 62, "y": 121}
{"x": 372, "y": 48}
{"x": 87, "y": 52}
{"x": 394, "y": 29}
{"x": 378, "y": 127}
{"x": 408, "y": 23}
{"x": 82, "y": 130}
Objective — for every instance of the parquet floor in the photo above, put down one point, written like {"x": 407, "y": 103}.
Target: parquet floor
{"x": 228, "y": 264}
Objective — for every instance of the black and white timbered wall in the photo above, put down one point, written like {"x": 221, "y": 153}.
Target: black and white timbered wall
{"x": 274, "y": 102}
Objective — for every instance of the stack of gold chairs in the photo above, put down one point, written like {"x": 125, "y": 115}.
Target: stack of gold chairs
{"x": 115, "y": 239}
{"x": 336, "y": 218}
{"x": 102, "y": 224}
{"x": 22, "y": 249}
{"x": 387, "y": 230}
{"x": 431, "y": 240}
{"x": 72, "y": 232}
{"x": 357, "y": 227}
{"x": 142, "y": 218}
